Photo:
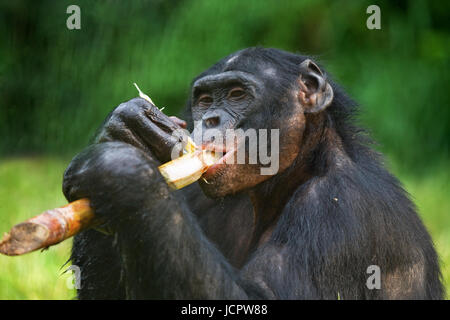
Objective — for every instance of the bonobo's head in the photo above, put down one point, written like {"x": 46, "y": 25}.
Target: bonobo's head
{"x": 254, "y": 89}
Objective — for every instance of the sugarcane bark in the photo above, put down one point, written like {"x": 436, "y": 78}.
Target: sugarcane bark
{"x": 48, "y": 228}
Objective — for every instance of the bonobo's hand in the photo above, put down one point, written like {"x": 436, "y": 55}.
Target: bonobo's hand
{"x": 116, "y": 177}
{"x": 143, "y": 125}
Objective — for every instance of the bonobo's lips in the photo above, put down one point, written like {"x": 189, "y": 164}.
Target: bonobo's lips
{"x": 219, "y": 163}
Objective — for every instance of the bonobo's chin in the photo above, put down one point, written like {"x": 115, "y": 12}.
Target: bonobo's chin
{"x": 226, "y": 179}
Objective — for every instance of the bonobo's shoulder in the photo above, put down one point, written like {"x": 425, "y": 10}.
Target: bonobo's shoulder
{"x": 354, "y": 187}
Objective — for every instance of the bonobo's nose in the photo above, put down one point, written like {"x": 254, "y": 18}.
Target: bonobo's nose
{"x": 211, "y": 120}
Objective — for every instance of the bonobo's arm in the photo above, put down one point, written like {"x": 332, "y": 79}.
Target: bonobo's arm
{"x": 163, "y": 249}
{"x": 164, "y": 253}
{"x": 158, "y": 249}
{"x": 142, "y": 125}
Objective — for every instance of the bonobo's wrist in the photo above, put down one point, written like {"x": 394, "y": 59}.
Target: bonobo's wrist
{"x": 160, "y": 218}
{"x": 137, "y": 208}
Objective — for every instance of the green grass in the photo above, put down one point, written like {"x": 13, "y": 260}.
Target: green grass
{"x": 29, "y": 186}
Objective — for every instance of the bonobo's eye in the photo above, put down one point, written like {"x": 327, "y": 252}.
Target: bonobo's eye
{"x": 205, "y": 100}
{"x": 236, "y": 94}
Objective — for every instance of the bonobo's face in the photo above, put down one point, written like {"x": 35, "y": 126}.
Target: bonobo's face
{"x": 248, "y": 109}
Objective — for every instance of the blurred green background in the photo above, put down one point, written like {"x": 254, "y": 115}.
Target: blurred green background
{"x": 57, "y": 86}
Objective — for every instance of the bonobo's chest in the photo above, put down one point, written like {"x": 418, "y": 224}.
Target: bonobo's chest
{"x": 228, "y": 223}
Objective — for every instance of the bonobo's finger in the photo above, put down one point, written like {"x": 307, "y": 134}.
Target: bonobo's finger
{"x": 156, "y": 129}
{"x": 153, "y": 113}
{"x": 179, "y": 122}
{"x": 143, "y": 125}
{"x": 159, "y": 141}
{"x": 124, "y": 134}
{"x": 163, "y": 121}
{"x": 71, "y": 186}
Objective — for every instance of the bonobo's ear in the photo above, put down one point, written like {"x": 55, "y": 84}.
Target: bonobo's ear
{"x": 315, "y": 92}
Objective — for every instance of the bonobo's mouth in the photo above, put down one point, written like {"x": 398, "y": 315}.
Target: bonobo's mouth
{"x": 222, "y": 162}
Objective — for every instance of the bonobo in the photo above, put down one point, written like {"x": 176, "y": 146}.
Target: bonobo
{"x": 312, "y": 230}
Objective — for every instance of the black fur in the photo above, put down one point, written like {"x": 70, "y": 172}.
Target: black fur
{"x": 349, "y": 214}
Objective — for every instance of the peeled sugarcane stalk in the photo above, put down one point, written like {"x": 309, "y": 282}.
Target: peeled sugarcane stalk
{"x": 56, "y": 225}
{"x": 187, "y": 169}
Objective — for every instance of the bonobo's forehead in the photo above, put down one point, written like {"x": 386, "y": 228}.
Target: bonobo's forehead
{"x": 267, "y": 69}
{"x": 236, "y": 69}
{"x": 263, "y": 63}
{"x": 258, "y": 62}
{"x": 257, "y": 65}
